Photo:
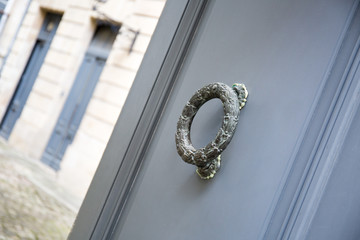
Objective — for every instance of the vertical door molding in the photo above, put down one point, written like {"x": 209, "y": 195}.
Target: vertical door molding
{"x": 345, "y": 106}
{"x": 103, "y": 205}
{"x": 285, "y": 219}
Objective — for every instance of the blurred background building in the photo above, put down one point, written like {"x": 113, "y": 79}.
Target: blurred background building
{"x": 65, "y": 70}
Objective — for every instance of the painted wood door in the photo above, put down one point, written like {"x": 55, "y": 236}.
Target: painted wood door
{"x": 79, "y": 96}
{"x": 291, "y": 169}
{"x": 32, "y": 68}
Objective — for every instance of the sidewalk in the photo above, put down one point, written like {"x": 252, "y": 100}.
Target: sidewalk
{"x": 32, "y": 205}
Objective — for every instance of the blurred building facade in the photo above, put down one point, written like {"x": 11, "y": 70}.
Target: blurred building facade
{"x": 66, "y": 68}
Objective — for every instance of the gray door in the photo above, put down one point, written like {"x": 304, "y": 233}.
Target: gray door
{"x": 30, "y": 74}
{"x": 291, "y": 170}
{"x": 79, "y": 96}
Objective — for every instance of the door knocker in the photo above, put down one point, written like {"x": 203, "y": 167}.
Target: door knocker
{"x": 207, "y": 159}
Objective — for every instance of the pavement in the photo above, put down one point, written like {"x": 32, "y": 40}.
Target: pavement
{"x": 32, "y": 204}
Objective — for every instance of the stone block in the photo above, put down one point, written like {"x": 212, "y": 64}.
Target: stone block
{"x": 141, "y": 43}
{"x": 34, "y": 7}
{"x": 35, "y": 117}
{"x": 103, "y": 110}
{"x": 77, "y": 15}
{"x": 30, "y": 19}
{"x": 77, "y": 169}
{"x": 110, "y": 93}
{"x": 10, "y": 73}
{"x": 71, "y": 29}
{"x": 145, "y": 24}
{"x": 40, "y": 102}
{"x": 96, "y": 128}
{"x": 22, "y": 48}
{"x": 64, "y": 44}
{"x": 59, "y": 59}
{"x": 90, "y": 147}
{"x": 13, "y": 60}
{"x": 118, "y": 76}
{"x": 24, "y": 33}
{"x": 149, "y": 8}
{"x": 124, "y": 59}
{"x": 46, "y": 88}
{"x": 22, "y": 135}
{"x": 51, "y": 73}
{"x": 54, "y": 5}
{"x": 82, "y": 4}
{"x": 117, "y": 10}
{"x": 124, "y": 41}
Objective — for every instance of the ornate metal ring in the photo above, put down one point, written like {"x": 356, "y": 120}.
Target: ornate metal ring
{"x": 207, "y": 159}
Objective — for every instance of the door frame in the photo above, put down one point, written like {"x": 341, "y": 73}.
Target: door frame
{"x": 113, "y": 181}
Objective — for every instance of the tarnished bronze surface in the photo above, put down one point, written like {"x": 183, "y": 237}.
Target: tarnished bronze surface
{"x": 208, "y": 158}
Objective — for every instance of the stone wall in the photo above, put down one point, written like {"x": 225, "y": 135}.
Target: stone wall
{"x": 35, "y": 125}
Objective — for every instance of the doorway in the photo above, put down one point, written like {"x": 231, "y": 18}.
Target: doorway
{"x": 80, "y": 95}
{"x": 27, "y": 80}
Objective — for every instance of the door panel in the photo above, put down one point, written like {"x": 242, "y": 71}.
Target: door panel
{"x": 79, "y": 96}
{"x": 284, "y": 167}
{"x": 22, "y": 92}
{"x": 282, "y": 51}
{"x": 30, "y": 73}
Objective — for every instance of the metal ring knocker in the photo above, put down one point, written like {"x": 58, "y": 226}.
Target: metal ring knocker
{"x": 207, "y": 159}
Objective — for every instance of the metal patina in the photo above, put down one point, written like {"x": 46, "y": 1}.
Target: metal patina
{"x": 207, "y": 159}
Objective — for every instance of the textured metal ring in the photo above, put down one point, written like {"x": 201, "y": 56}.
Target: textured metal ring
{"x": 207, "y": 159}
